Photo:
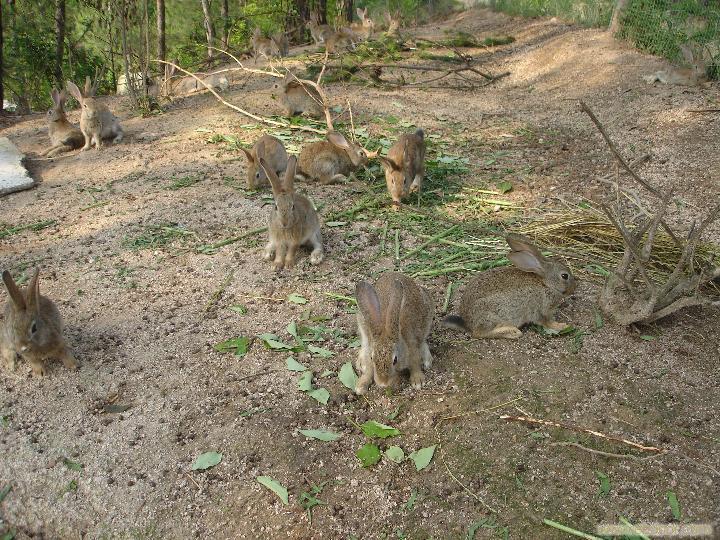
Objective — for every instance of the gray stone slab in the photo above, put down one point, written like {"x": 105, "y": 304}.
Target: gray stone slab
{"x": 13, "y": 175}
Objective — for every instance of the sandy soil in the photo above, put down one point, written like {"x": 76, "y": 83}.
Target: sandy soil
{"x": 143, "y": 322}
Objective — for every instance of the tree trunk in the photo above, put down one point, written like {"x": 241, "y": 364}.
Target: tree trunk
{"x": 302, "y": 8}
{"x": 349, "y": 10}
{"x": 322, "y": 11}
{"x": 224, "y": 13}
{"x": 617, "y": 13}
{"x": 146, "y": 56}
{"x": 209, "y": 30}
{"x": 59, "y": 41}
{"x": 2, "y": 72}
{"x": 161, "y": 29}
{"x": 126, "y": 55}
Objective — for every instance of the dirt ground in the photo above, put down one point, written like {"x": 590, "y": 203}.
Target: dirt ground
{"x": 143, "y": 318}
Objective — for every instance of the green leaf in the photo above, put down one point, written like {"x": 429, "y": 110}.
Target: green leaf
{"x": 272, "y": 342}
{"x": 647, "y": 338}
{"x": 320, "y": 435}
{"x": 371, "y": 429}
{"x": 294, "y": 365}
{"x": 422, "y": 457}
{"x": 604, "y": 484}
{"x": 410, "y": 504}
{"x": 305, "y": 382}
{"x": 327, "y": 373}
{"x": 276, "y": 487}
{"x": 395, "y": 453}
{"x": 72, "y": 465}
{"x": 320, "y": 394}
{"x": 320, "y": 351}
{"x": 347, "y": 376}
{"x": 599, "y": 323}
{"x": 504, "y": 187}
{"x": 674, "y": 505}
{"x": 335, "y": 223}
{"x": 4, "y": 492}
{"x": 368, "y": 455}
{"x": 242, "y": 310}
{"x": 239, "y": 345}
{"x": 297, "y": 299}
{"x": 206, "y": 461}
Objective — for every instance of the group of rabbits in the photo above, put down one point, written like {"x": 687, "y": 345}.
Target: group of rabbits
{"x": 394, "y": 315}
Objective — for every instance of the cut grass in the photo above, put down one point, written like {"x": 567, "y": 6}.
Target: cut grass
{"x": 155, "y": 236}
{"x": 9, "y": 230}
{"x": 185, "y": 181}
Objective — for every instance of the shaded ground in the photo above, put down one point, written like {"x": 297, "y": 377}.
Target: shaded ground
{"x": 118, "y": 249}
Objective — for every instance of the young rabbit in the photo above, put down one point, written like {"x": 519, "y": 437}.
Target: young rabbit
{"x": 394, "y": 319}
{"x": 497, "y": 302}
{"x": 319, "y": 32}
{"x": 32, "y": 328}
{"x": 393, "y": 24}
{"x": 298, "y": 99}
{"x": 363, "y": 29}
{"x": 340, "y": 41}
{"x": 293, "y": 221}
{"x": 281, "y": 44}
{"x": 405, "y": 165}
{"x": 262, "y": 46}
{"x": 64, "y": 137}
{"x": 96, "y": 120}
{"x": 273, "y": 152}
{"x": 331, "y": 160}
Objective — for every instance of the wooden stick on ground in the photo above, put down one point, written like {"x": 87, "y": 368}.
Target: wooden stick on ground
{"x": 528, "y": 420}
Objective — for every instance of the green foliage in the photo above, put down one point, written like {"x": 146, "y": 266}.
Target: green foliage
{"x": 584, "y": 12}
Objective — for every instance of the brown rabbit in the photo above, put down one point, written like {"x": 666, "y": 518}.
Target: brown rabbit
{"x": 342, "y": 40}
{"x": 293, "y": 221}
{"x": 281, "y": 44}
{"x": 32, "y": 328}
{"x": 297, "y": 98}
{"x": 262, "y": 46}
{"x": 332, "y": 160}
{"x": 498, "y": 302}
{"x": 363, "y": 29}
{"x": 319, "y": 32}
{"x": 273, "y": 152}
{"x": 393, "y": 24}
{"x": 64, "y": 137}
{"x": 394, "y": 319}
{"x": 405, "y": 165}
{"x": 96, "y": 120}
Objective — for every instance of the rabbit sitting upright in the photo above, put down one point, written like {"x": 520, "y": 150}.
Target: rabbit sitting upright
{"x": 96, "y": 120}
{"x": 64, "y": 137}
{"x": 32, "y": 328}
{"x": 498, "y": 302}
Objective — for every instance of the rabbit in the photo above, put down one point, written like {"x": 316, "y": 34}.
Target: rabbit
{"x": 342, "y": 40}
{"x": 695, "y": 57}
{"x": 181, "y": 86}
{"x": 64, "y": 137}
{"x": 32, "y": 328}
{"x": 293, "y": 221}
{"x": 405, "y": 165}
{"x": 394, "y": 319}
{"x": 262, "y": 46}
{"x": 319, "y": 32}
{"x": 96, "y": 120}
{"x": 363, "y": 29}
{"x": 393, "y": 24}
{"x": 297, "y": 98}
{"x": 331, "y": 160}
{"x": 281, "y": 44}
{"x": 497, "y": 302}
{"x": 273, "y": 152}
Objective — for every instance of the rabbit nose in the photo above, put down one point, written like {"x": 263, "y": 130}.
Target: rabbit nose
{"x": 23, "y": 348}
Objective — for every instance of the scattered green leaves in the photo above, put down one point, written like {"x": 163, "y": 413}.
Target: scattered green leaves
{"x": 674, "y": 505}
{"x": 395, "y": 453}
{"x": 347, "y": 376}
{"x": 72, "y": 465}
{"x": 504, "y": 187}
{"x": 273, "y": 342}
{"x": 309, "y": 500}
{"x": 4, "y": 492}
{"x": 305, "y": 382}
{"x": 242, "y": 310}
{"x": 238, "y": 345}
{"x": 371, "y": 429}
{"x": 410, "y": 503}
{"x": 320, "y": 351}
{"x": 320, "y": 435}
{"x": 646, "y": 337}
{"x": 422, "y": 457}
{"x": 297, "y": 299}
{"x": 604, "y": 484}
{"x": 320, "y": 394}
{"x": 206, "y": 461}
{"x": 276, "y": 487}
{"x": 368, "y": 455}
{"x": 294, "y": 365}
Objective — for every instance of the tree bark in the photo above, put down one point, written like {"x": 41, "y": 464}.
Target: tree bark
{"x": 224, "y": 13}
{"x": 322, "y": 11}
{"x": 161, "y": 52}
{"x": 349, "y": 10}
{"x": 59, "y": 41}
{"x": 617, "y": 13}
{"x": 209, "y": 30}
{"x": 126, "y": 55}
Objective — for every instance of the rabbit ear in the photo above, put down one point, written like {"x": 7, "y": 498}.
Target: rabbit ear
{"x": 360, "y": 13}
{"x": 260, "y": 150}
{"x": 290, "y": 173}
{"x": 248, "y": 155}
{"x": 17, "y": 297}
{"x": 33, "y": 292}
{"x": 88, "y": 87}
{"x": 369, "y": 305}
{"x": 338, "y": 139}
{"x": 388, "y": 163}
{"x": 74, "y": 91}
{"x": 62, "y": 97}
{"x": 277, "y": 186}
{"x": 55, "y": 96}
{"x": 395, "y": 305}
{"x": 525, "y": 255}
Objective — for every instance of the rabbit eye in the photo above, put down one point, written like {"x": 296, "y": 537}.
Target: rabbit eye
{"x": 33, "y": 328}
{"x": 565, "y": 276}
{"x": 257, "y": 175}
{"x": 395, "y": 359}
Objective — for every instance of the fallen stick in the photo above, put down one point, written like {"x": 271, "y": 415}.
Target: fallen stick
{"x": 529, "y": 420}
{"x": 601, "y": 453}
